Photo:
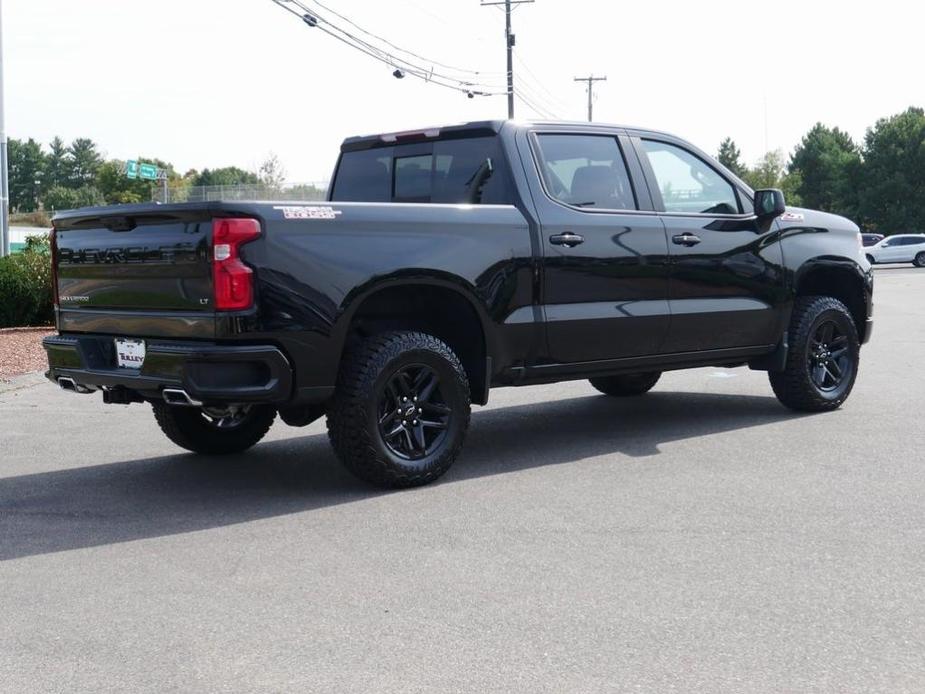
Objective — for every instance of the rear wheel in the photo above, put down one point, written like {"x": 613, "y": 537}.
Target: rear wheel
{"x": 401, "y": 409}
{"x": 919, "y": 260}
{"x": 822, "y": 363}
{"x": 214, "y": 432}
{"x": 627, "y": 384}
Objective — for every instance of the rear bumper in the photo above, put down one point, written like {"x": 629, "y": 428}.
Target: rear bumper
{"x": 206, "y": 371}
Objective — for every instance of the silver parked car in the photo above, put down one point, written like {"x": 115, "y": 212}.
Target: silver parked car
{"x": 900, "y": 248}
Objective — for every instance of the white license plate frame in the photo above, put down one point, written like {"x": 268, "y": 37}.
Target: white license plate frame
{"x": 130, "y": 353}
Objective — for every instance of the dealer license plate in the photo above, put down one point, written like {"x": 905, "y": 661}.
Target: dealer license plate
{"x": 130, "y": 353}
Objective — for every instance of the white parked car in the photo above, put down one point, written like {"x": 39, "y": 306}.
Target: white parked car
{"x": 901, "y": 248}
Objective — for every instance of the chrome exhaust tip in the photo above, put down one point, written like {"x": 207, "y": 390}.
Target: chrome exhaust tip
{"x": 69, "y": 384}
{"x": 178, "y": 396}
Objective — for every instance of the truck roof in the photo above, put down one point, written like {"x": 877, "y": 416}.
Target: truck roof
{"x": 462, "y": 130}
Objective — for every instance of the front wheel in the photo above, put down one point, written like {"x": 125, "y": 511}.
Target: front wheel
{"x": 214, "y": 432}
{"x": 401, "y": 409}
{"x": 822, "y": 363}
{"x": 627, "y": 384}
{"x": 919, "y": 260}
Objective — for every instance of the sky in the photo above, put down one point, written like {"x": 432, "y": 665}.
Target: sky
{"x": 209, "y": 83}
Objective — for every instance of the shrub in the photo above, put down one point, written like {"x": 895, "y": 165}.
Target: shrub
{"x": 25, "y": 286}
{"x": 61, "y": 198}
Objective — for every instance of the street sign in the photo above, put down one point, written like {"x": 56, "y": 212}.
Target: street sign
{"x": 131, "y": 168}
{"x": 148, "y": 172}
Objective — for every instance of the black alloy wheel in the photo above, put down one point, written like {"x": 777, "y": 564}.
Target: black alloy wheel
{"x": 413, "y": 414}
{"x": 401, "y": 409}
{"x": 823, "y": 358}
{"x": 829, "y": 357}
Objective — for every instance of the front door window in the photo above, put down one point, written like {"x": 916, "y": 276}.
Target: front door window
{"x": 687, "y": 183}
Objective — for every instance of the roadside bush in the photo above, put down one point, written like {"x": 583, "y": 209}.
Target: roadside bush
{"x": 61, "y": 198}
{"x": 25, "y": 286}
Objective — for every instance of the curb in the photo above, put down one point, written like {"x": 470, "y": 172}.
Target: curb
{"x": 33, "y": 329}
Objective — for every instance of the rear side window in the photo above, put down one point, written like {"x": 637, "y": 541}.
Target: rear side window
{"x": 364, "y": 176}
{"x": 469, "y": 170}
{"x": 586, "y": 171}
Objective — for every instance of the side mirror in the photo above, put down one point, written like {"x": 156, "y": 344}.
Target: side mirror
{"x": 769, "y": 204}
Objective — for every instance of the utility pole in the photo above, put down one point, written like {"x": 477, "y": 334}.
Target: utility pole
{"x": 591, "y": 79}
{"x": 4, "y": 182}
{"x": 509, "y": 41}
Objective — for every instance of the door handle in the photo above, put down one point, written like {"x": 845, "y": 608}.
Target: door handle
{"x": 566, "y": 239}
{"x": 686, "y": 239}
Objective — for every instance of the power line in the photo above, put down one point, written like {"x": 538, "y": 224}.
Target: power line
{"x": 591, "y": 79}
{"x": 402, "y": 66}
{"x": 400, "y": 49}
{"x": 509, "y": 40}
{"x": 550, "y": 98}
{"x": 537, "y": 109}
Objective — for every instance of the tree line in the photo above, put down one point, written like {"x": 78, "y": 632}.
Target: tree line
{"x": 72, "y": 175}
{"x": 879, "y": 183}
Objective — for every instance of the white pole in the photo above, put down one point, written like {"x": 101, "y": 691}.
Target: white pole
{"x": 4, "y": 183}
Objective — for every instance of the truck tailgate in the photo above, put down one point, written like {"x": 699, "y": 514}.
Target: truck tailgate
{"x": 148, "y": 273}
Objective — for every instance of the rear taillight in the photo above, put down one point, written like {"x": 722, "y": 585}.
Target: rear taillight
{"x": 232, "y": 280}
{"x": 53, "y": 249}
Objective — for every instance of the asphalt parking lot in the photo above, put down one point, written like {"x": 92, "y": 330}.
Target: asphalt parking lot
{"x": 700, "y": 538}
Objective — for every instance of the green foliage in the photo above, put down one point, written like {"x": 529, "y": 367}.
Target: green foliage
{"x": 84, "y": 162}
{"x": 117, "y": 188}
{"x": 770, "y": 172}
{"x": 828, "y": 164}
{"x": 26, "y": 285}
{"x": 272, "y": 174}
{"x": 61, "y": 198}
{"x": 892, "y": 194}
{"x": 57, "y": 165}
{"x": 26, "y": 171}
{"x": 226, "y": 176}
{"x": 730, "y": 157}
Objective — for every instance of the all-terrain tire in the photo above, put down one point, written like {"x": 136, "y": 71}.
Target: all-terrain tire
{"x": 362, "y": 401}
{"x": 627, "y": 384}
{"x": 189, "y": 428}
{"x": 919, "y": 260}
{"x": 795, "y": 386}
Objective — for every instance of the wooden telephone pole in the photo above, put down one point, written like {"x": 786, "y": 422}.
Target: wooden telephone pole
{"x": 591, "y": 79}
{"x": 509, "y": 40}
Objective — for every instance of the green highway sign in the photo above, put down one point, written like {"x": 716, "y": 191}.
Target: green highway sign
{"x": 131, "y": 168}
{"x": 148, "y": 172}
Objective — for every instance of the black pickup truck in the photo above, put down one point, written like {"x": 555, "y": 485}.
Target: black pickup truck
{"x": 446, "y": 262}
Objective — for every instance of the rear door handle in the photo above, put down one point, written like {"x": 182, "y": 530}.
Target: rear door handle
{"x": 686, "y": 239}
{"x": 566, "y": 239}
